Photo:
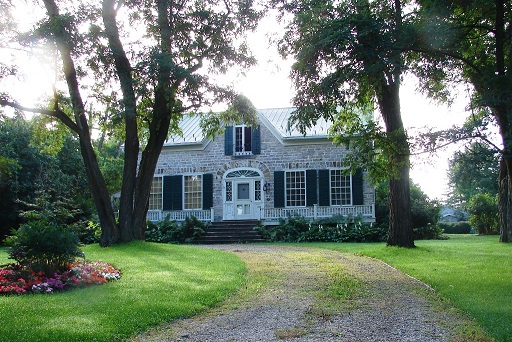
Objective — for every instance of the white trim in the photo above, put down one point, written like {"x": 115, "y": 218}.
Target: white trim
{"x": 305, "y": 189}
{"x": 351, "y": 188}
{"x": 183, "y": 189}
{"x": 229, "y": 207}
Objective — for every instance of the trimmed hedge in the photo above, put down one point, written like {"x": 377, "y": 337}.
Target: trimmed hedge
{"x": 462, "y": 227}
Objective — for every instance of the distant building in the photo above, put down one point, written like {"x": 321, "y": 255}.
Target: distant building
{"x": 448, "y": 214}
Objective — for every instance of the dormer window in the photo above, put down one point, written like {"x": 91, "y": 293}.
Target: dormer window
{"x": 243, "y": 141}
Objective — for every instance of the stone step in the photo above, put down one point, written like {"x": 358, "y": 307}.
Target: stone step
{"x": 228, "y": 232}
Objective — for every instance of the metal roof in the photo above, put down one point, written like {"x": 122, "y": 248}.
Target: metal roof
{"x": 191, "y": 132}
{"x": 276, "y": 119}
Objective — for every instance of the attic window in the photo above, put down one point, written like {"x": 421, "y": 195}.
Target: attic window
{"x": 243, "y": 141}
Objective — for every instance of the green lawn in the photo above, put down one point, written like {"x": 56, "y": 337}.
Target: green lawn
{"x": 160, "y": 283}
{"x": 474, "y": 272}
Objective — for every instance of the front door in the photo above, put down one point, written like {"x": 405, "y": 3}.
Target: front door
{"x": 243, "y": 194}
{"x": 244, "y": 199}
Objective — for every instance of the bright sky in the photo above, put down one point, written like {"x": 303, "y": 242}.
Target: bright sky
{"x": 268, "y": 86}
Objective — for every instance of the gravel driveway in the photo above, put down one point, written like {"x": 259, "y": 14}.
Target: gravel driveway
{"x": 306, "y": 294}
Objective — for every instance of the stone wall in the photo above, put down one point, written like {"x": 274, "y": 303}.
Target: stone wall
{"x": 275, "y": 156}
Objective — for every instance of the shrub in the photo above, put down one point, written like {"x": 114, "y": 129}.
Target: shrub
{"x": 44, "y": 246}
{"x": 192, "y": 229}
{"x": 462, "y": 227}
{"x": 168, "y": 231}
{"x": 334, "y": 229}
{"x": 424, "y": 211}
{"x": 88, "y": 232}
{"x": 428, "y": 232}
{"x": 483, "y": 213}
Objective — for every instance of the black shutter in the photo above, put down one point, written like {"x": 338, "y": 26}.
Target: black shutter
{"x": 324, "y": 188}
{"x": 279, "y": 195}
{"x": 228, "y": 141}
{"x": 207, "y": 191}
{"x": 256, "y": 140}
{"x": 357, "y": 187}
{"x": 173, "y": 193}
{"x": 311, "y": 188}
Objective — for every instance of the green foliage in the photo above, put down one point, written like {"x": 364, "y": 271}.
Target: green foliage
{"x": 425, "y": 212}
{"x": 61, "y": 212}
{"x": 334, "y": 229}
{"x": 45, "y": 246}
{"x": 111, "y": 164}
{"x": 240, "y": 111}
{"x": 483, "y": 213}
{"x": 168, "y": 231}
{"x": 461, "y": 227}
{"x": 61, "y": 176}
{"x": 428, "y": 232}
{"x": 349, "y": 56}
{"x": 472, "y": 171}
{"x": 88, "y": 232}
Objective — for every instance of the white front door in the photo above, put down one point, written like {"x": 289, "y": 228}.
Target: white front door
{"x": 244, "y": 199}
{"x": 243, "y": 194}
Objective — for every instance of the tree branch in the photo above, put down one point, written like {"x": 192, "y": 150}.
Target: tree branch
{"x": 58, "y": 114}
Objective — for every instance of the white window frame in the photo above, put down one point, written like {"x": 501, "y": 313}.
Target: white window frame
{"x": 156, "y": 194}
{"x": 287, "y": 191}
{"x": 243, "y": 138}
{"x": 341, "y": 188}
{"x": 191, "y": 191}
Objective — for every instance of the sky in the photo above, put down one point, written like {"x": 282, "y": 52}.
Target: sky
{"x": 268, "y": 85}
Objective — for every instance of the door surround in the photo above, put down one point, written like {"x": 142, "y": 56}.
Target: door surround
{"x": 243, "y": 195}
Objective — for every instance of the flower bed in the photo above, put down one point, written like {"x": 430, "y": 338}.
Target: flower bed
{"x": 14, "y": 280}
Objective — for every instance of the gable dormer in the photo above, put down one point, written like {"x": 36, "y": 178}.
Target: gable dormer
{"x": 242, "y": 141}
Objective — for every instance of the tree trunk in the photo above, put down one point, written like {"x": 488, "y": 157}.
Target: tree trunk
{"x": 400, "y": 220}
{"x": 101, "y": 197}
{"x": 109, "y": 229}
{"x": 505, "y": 198}
{"x": 131, "y": 145}
{"x": 400, "y": 223}
{"x": 502, "y": 110}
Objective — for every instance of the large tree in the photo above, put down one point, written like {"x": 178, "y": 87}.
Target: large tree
{"x": 351, "y": 55}
{"x": 471, "y": 41}
{"x": 156, "y": 51}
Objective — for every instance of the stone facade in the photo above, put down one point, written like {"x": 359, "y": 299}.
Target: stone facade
{"x": 277, "y": 154}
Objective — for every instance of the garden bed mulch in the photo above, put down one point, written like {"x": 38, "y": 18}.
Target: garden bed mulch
{"x": 289, "y": 296}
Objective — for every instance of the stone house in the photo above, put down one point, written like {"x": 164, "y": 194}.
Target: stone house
{"x": 256, "y": 173}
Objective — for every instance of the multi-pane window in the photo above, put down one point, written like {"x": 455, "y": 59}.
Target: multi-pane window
{"x": 295, "y": 183}
{"x": 340, "y": 188}
{"x": 257, "y": 190}
{"x": 192, "y": 191}
{"x": 155, "y": 194}
{"x": 243, "y": 140}
{"x": 229, "y": 191}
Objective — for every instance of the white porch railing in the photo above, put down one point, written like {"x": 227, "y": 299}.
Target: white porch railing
{"x": 367, "y": 212}
{"x": 180, "y": 215}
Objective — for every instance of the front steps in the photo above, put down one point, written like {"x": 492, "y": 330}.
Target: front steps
{"x": 229, "y": 232}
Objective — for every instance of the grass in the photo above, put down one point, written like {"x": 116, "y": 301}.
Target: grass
{"x": 163, "y": 282}
{"x": 473, "y": 272}
{"x": 160, "y": 283}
